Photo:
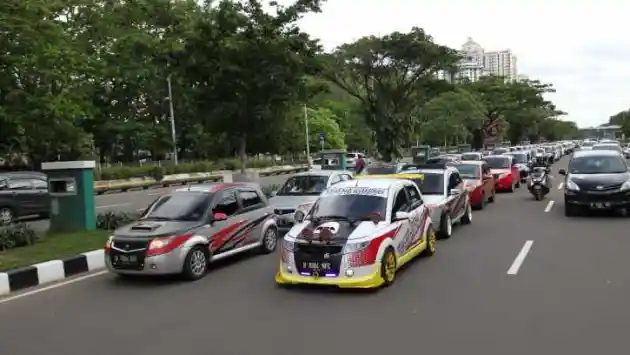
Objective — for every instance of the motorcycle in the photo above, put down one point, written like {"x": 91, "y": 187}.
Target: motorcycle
{"x": 539, "y": 183}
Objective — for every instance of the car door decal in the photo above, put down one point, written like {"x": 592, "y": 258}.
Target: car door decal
{"x": 218, "y": 239}
{"x": 236, "y": 235}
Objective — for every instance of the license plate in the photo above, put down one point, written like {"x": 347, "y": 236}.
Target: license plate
{"x": 314, "y": 265}
{"x": 127, "y": 259}
{"x": 537, "y": 187}
{"x": 600, "y": 205}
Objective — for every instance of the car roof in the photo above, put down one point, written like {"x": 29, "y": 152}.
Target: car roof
{"x": 321, "y": 172}
{"x": 497, "y": 156}
{"x": 589, "y": 153}
{"x": 216, "y": 187}
{"x": 376, "y": 183}
{"x": 471, "y": 162}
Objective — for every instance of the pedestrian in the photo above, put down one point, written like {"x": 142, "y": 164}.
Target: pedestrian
{"x": 359, "y": 165}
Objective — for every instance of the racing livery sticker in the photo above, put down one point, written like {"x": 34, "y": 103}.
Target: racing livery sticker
{"x": 355, "y": 190}
{"x": 415, "y": 232}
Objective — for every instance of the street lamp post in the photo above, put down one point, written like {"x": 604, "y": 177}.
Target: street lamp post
{"x": 172, "y": 119}
{"x": 308, "y": 148}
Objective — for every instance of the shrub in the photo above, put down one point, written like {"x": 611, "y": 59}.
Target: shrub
{"x": 111, "y": 220}
{"x": 17, "y": 235}
{"x": 158, "y": 171}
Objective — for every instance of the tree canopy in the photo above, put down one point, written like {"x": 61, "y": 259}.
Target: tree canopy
{"x": 89, "y": 78}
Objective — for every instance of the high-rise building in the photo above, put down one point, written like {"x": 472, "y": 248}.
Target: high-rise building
{"x": 476, "y": 62}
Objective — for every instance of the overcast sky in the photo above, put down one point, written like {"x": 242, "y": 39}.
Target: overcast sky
{"x": 583, "y": 47}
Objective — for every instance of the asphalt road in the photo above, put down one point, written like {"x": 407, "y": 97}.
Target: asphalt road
{"x": 569, "y": 296}
{"x": 134, "y": 201}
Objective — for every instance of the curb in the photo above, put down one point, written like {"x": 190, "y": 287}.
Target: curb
{"x": 50, "y": 271}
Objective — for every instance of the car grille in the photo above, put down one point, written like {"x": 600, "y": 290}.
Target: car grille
{"x": 128, "y": 254}
{"x": 306, "y": 254}
{"x": 600, "y": 187}
{"x": 283, "y": 211}
{"x": 125, "y": 245}
{"x": 318, "y": 251}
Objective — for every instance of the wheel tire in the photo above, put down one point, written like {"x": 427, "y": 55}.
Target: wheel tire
{"x": 388, "y": 276}
{"x": 570, "y": 210}
{"x": 446, "y": 227}
{"x": 467, "y": 217}
{"x": 7, "y": 215}
{"x": 482, "y": 204}
{"x": 491, "y": 198}
{"x": 518, "y": 184}
{"x": 511, "y": 189}
{"x": 196, "y": 263}
{"x": 269, "y": 241}
{"x": 431, "y": 239}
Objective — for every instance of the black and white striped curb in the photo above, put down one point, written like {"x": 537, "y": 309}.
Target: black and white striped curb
{"x": 50, "y": 271}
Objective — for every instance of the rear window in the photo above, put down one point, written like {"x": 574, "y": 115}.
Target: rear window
{"x": 304, "y": 185}
{"x": 181, "y": 206}
{"x": 469, "y": 171}
{"x": 607, "y": 147}
{"x": 431, "y": 184}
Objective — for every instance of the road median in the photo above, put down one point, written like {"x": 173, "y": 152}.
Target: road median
{"x": 145, "y": 183}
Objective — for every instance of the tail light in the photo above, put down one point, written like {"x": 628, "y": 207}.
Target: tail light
{"x": 164, "y": 245}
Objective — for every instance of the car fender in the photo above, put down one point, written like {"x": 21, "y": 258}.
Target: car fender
{"x": 196, "y": 239}
{"x": 270, "y": 222}
{"x": 387, "y": 242}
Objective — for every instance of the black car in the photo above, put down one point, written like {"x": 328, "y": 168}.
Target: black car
{"x": 23, "y": 194}
{"x": 596, "y": 180}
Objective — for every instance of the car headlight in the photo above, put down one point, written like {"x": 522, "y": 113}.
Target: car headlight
{"x": 625, "y": 186}
{"x": 354, "y": 247}
{"x": 159, "y": 243}
{"x": 572, "y": 186}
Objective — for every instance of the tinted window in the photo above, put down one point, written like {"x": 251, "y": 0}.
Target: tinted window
{"x": 40, "y": 184}
{"x": 180, "y": 206}
{"x": 498, "y": 162}
{"x": 469, "y": 171}
{"x": 351, "y": 206}
{"x": 382, "y": 170}
{"x": 401, "y": 202}
{"x": 454, "y": 181}
{"x": 227, "y": 205}
{"x": 249, "y": 198}
{"x": 470, "y": 156}
{"x": 432, "y": 184}
{"x": 21, "y": 184}
{"x": 500, "y": 151}
{"x": 304, "y": 185}
{"x": 520, "y": 158}
{"x": 604, "y": 164}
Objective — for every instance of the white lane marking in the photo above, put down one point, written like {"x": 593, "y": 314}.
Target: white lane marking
{"x": 561, "y": 186}
{"x": 116, "y": 205}
{"x": 549, "y": 205}
{"x": 52, "y": 287}
{"x": 520, "y": 258}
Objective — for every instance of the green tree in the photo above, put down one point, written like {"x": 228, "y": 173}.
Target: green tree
{"x": 391, "y": 76}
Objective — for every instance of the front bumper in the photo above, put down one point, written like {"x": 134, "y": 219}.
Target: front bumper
{"x": 163, "y": 264}
{"x": 598, "y": 200}
{"x": 363, "y": 277}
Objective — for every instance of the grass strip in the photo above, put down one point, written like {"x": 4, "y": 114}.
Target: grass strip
{"x": 53, "y": 246}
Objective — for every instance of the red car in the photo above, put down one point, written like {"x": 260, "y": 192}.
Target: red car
{"x": 478, "y": 180}
{"x": 506, "y": 174}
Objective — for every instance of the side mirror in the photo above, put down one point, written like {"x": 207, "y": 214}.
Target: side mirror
{"x": 400, "y": 216}
{"x": 453, "y": 192}
{"x": 298, "y": 216}
{"x": 218, "y": 217}
{"x": 562, "y": 172}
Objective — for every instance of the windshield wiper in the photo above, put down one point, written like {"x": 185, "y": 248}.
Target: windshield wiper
{"x": 156, "y": 218}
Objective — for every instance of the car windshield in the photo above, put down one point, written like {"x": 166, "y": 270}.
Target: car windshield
{"x": 311, "y": 185}
{"x": 500, "y": 151}
{"x": 608, "y": 147}
{"x": 539, "y": 151}
{"x": 548, "y": 149}
{"x": 349, "y": 206}
{"x": 498, "y": 162}
{"x": 469, "y": 171}
{"x": 588, "y": 144}
{"x": 520, "y": 158}
{"x": 432, "y": 184}
{"x": 470, "y": 156}
{"x": 603, "y": 164}
{"x": 184, "y": 206}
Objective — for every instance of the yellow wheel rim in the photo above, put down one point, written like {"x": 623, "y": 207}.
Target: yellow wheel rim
{"x": 390, "y": 267}
{"x": 432, "y": 241}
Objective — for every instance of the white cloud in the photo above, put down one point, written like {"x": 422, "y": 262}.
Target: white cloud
{"x": 582, "y": 48}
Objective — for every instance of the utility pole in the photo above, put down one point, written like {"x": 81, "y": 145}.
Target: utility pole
{"x": 308, "y": 149}
{"x": 172, "y": 117}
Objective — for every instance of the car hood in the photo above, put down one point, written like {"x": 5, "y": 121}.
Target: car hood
{"x": 339, "y": 231}
{"x": 148, "y": 229}
{"x": 290, "y": 202}
{"x": 433, "y": 199}
{"x": 500, "y": 171}
{"x": 594, "y": 180}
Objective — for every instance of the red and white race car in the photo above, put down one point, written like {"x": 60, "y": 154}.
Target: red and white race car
{"x": 357, "y": 235}
{"x": 506, "y": 174}
{"x": 479, "y": 181}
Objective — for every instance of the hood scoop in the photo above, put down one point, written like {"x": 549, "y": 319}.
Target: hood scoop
{"x": 145, "y": 227}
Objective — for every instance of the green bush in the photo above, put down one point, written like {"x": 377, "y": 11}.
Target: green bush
{"x": 112, "y": 220}
{"x": 17, "y": 235}
{"x": 157, "y": 172}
